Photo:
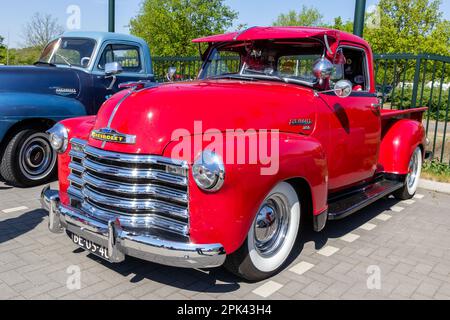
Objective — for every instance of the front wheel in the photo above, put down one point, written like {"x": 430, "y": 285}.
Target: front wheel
{"x": 412, "y": 179}
{"x": 271, "y": 237}
{"x": 28, "y": 160}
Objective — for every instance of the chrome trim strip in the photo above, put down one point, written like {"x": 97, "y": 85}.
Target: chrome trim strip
{"x": 73, "y": 178}
{"x": 134, "y": 159}
{"x": 134, "y": 189}
{"x": 132, "y": 173}
{"x": 76, "y": 154}
{"x": 113, "y": 114}
{"x": 147, "y": 221}
{"x": 76, "y": 167}
{"x": 75, "y": 193}
{"x": 111, "y": 118}
{"x": 154, "y": 206}
{"x": 79, "y": 142}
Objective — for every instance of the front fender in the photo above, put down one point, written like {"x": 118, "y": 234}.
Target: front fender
{"x": 400, "y": 139}
{"x": 226, "y": 216}
{"x": 77, "y": 128}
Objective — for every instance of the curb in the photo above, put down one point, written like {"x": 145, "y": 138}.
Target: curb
{"x": 435, "y": 186}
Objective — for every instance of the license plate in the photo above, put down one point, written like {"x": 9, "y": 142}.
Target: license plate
{"x": 90, "y": 246}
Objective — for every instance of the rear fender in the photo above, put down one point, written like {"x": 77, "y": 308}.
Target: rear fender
{"x": 400, "y": 139}
{"x": 226, "y": 216}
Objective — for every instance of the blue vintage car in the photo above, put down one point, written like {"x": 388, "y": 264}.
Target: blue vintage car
{"x": 75, "y": 74}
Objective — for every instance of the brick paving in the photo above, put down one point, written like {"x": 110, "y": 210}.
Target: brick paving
{"x": 389, "y": 250}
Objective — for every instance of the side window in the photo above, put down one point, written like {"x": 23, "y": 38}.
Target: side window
{"x": 128, "y": 56}
{"x": 353, "y": 67}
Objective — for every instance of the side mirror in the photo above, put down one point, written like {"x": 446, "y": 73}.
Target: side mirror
{"x": 85, "y": 62}
{"x": 112, "y": 69}
{"x": 171, "y": 73}
{"x": 343, "y": 88}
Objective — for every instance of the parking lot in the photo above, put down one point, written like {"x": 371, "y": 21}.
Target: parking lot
{"x": 390, "y": 250}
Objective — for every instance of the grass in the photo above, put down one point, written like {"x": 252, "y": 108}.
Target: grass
{"x": 436, "y": 171}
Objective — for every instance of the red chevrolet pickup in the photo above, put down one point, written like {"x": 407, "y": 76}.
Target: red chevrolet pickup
{"x": 283, "y": 126}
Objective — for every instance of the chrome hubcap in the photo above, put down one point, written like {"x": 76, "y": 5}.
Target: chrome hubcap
{"x": 271, "y": 225}
{"x": 413, "y": 170}
{"x": 36, "y": 157}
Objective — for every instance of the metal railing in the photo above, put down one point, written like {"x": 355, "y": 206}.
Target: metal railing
{"x": 403, "y": 80}
{"x": 409, "y": 81}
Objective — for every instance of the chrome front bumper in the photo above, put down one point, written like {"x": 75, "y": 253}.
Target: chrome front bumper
{"x": 121, "y": 243}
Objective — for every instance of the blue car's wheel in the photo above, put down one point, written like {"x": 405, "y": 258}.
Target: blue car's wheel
{"x": 28, "y": 160}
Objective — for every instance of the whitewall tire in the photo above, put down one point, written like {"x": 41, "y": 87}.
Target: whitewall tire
{"x": 413, "y": 177}
{"x": 271, "y": 237}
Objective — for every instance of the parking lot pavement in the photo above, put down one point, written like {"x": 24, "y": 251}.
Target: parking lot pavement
{"x": 390, "y": 250}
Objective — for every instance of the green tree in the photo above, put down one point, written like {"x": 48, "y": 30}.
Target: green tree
{"x": 308, "y": 16}
{"x": 2, "y": 51}
{"x": 169, "y": 25}
{"x": 24, "y": 56}
{"x": 410, "y": 26}
{"x": 339, "y": 24}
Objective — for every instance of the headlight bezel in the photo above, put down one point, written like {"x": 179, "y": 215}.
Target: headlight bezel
{"x": 208, "y": 171}
{"x": 58, "y": 137}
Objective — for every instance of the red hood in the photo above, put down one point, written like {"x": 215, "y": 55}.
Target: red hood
{"x": 153, "y": 114}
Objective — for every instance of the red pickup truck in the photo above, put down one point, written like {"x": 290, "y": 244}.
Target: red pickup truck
{"x": 282, "y": 126}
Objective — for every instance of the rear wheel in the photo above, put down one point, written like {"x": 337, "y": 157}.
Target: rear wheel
{"x": 412, "y": 179}
{"x": 271, "y": 237}
{"x": 28, "y": 160}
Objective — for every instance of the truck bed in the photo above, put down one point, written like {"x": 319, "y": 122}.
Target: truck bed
{"x": 415, "y": 114}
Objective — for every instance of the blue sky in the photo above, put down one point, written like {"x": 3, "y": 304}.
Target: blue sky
{"x": 94, "y": 13}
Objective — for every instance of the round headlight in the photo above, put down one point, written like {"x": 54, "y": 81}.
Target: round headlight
{"x": 209, "y": 171}
{"x": 59, "y": 138}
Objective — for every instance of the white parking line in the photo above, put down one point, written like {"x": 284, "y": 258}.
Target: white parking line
{"x": 383, "y": 217}
{"x": 409, "y": 201}
{"x": 368, "y": 226}
{"x": 328, "y": 251}
{"x": 419, "y": 196}
{"x": 350, "y": 237}
{"x": 302, "y": 267}
{"x": 397, "y": 209}
{"x": 267, "y": 289}
{"x": 14, "y": 209}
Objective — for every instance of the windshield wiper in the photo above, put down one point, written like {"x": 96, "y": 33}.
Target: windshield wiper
{"x": 265, "y": 75}
{"x": 282, "y": 79}
{"x": 64, "y": 59}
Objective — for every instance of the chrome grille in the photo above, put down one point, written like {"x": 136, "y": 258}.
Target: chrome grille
{"x": 143, "y": 191}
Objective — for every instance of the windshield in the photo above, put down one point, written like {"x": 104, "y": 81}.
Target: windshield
{"x": 69, "y": 51}
{"x": 287, "y": 61}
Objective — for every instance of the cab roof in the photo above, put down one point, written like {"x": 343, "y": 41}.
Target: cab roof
{"x": 102, "y": 36}
{"x": 272, "y": 33}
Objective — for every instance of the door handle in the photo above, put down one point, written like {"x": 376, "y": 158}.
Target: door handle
{"x": 376, "y": 106}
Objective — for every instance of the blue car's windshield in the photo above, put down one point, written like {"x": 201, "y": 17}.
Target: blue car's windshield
{"x": 69, "y": 51}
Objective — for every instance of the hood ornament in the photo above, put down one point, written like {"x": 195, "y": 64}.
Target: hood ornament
{"x": 111, "y": 135}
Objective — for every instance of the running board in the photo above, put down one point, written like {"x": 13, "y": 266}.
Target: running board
{"x": 344, "y": 205}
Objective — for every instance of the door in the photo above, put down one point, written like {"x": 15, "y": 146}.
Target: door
{"x": 130, "y": 57}
{"x": 354, "y": 126}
